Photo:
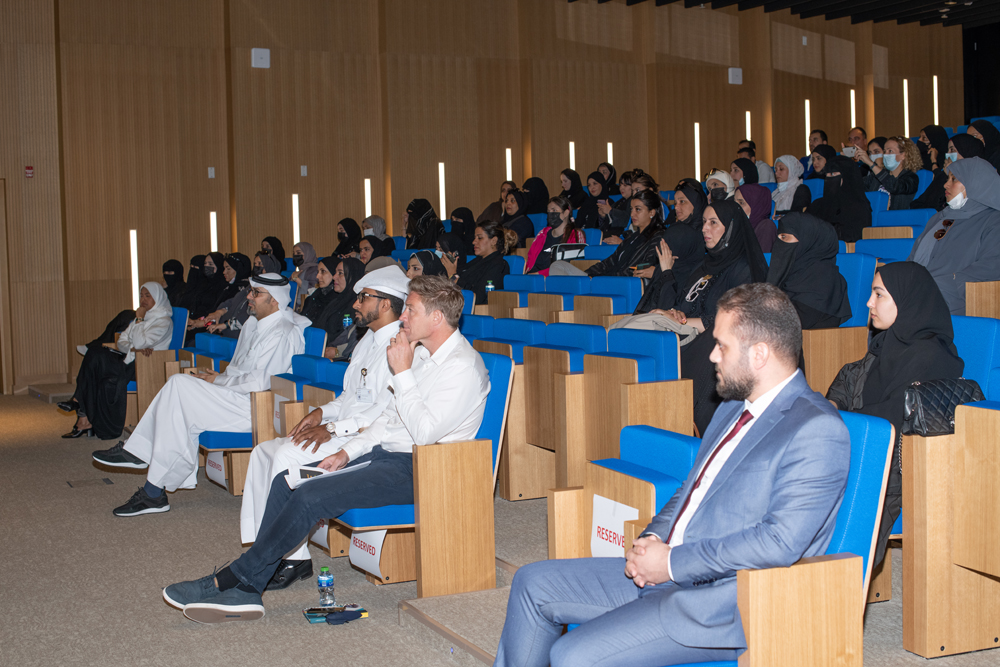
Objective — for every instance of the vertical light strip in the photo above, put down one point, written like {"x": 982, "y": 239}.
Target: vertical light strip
{"x": 134, "y": 249}
{"x": 368, "y": 197}
{"x": 697, "y": 151}
{"x": 748, "y": 126}
{"x": 854, "y": 110}
{"x": 510, "y": 166}
{"x": 808, "y": 129}
{"x": 572, "y": 156}
{"x": 611, "y": 153}
{"x": 906, "y": 108}
{"x": 213, "y": 230}
{"x": 295, "y": 219}
{"x": 935, "y": 101}
{"x": 444, "y": 209}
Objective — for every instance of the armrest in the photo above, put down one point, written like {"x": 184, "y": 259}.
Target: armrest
{"x": 982, "y": 299}
{"x": 808, "y": 614}
{"x": 262, "y": 416}
{"x": 292, "y": 412}
{"x": 453, "y": 510}
{"x": 565, "y": 514}
{"x": 150, "y": 376}
{"x": 827, "y": 350}
{"x": 668, "y": 405}
{"x": 501, "y": 303}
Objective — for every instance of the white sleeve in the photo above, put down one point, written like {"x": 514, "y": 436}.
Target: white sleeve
{"x": 154, "y": 334}
{"x": 272, "y": 357}
{"x": 431, "y": 413}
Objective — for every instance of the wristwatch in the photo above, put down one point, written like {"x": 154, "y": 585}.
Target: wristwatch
{"x": 331, "y": 427}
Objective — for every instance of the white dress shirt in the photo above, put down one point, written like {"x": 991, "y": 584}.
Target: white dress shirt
{"x": 150, "y": 334}
{"x": 441, "y": 398}
{"x": 264, "y": 348}
{"x": 354, "y": 410}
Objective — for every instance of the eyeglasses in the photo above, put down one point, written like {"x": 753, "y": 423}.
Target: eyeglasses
{"x": 939, "y": 234}
{"x": 256, "y": 292}
{"x": 365, "y": 295}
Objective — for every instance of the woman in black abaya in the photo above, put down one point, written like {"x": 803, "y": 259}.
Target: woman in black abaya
{"x": 844, "y": 203}
{"x": 334, "y": 298}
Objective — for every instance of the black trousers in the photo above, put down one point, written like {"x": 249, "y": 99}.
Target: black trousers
{"x": 101, "y": 388}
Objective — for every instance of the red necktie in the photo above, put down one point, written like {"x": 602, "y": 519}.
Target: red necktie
{"x": 740, "y": 423}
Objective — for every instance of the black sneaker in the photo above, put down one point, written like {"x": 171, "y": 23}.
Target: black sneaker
{"x": 141, "y": 503}
{"x": 117, "y": 457}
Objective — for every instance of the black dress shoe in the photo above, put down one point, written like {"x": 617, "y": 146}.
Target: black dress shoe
{"x": 77, "y": 433}
{"x": 288, "y": 572}
{"x": 68, "y": 406}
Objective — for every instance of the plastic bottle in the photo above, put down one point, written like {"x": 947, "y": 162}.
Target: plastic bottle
{"x": 325, "y": 583}
{"x": 348, "y": 321}
{"x": 489, "y": 286}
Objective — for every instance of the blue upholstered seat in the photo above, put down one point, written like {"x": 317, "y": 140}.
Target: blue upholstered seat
{"x": 912, "y": 217}
{"x": 179, "y": 324}
{"x": 858, "y": 270}
{"x": 924, "y": 178}
{"x": 977, "y": 340}
{"x": 476, "y": 326}
{"x": 659, "y": 346}
{"x": 592, "y": 236}
{"x": 539, "y": 221}
{"x": 516, "y": 264}
{"x": 879, "y": 202}
{"x": 523, "y": 285}
{"x": 630, "y": 288}
{"x": 599, "y": 252}
{"x": 517, "y": 333}
{"x": 815, "y": 186}
{"x": 576, "y": 339}
{"x": 315, "y": 341}
{"x": 469, "y": 302}
{"x": 887, "y": 250}
{"x": 217, "y": 440}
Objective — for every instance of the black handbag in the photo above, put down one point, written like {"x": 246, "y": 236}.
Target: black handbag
{"x": 929, "y": 407}
{"x": 567, "y": 251}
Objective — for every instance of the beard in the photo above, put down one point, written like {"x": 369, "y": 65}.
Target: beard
{"x": 737, "y": 385}
{"x": 364, "y": 320}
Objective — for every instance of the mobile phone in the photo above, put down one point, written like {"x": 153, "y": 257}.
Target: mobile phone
{"x": 849, "y": 151}
{"x": 640, "y": 267}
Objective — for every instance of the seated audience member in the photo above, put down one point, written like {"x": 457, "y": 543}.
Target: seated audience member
{"x": 489, "y": 245}
{"x": 804, "y": 266}
{"x": 791, "y": 194}
{"x": 755, "y": 200}
{"x": 326, "y": 429}
{"x": 913, "y": 342}
{"x": 816, "y": 138}
{"x": 559, "y": 228}
{"x": 333, "y": 300}
{"x": 204, "y": 295}
{"x": 843, "y": 204}
{"x": 173, "y": 280}
{"x": 960, "y": 147}
{"x": 306, "y": 263}
{"x": 935, "y": 138}
{"x": 494, "y": 211}
{"x": 857, "y": 143}
{"x": 381, "y": 263}
{"x": 764, "y": 492}
{"x": 898, "y": 173}
{"x": 102, "y": 382}
{"x": 572, "y": 188}
{"x": 515, "y": 219}
{"x": 641, "y": 181}
{"x": 748, "y": 149}
{"x": 689, "y": 205}
{"x": 165, "y": 441}
{"x": 264, "y": 263}
{"x": 821, "y": 155}
{"x": 987, "y": 133}
{"x": 588, "y": 217}
{"x": 374, "y": 225}
{"x": 720, "y": 186}
{"x": 426, "y": 263}
{"x": 536, "y": 196}
{"x": 236, "y": 270}
{"x": 371, "y": 247}
{"x": 743, "y": 171}
{"x": 463, "y": 225}
{"x": 348, "y": 236}
{"x": 422, "y": 225}
{"x": 453, "y": 244}
{"x": 439, "y": 391}
{"x": 961, "y": 244}
{"x": 271, "y": 245}
{"x": 610, "y": 175}
{"x": 634, "y": 256}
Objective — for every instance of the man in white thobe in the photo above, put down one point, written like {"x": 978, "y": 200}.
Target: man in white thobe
{"x": 324, "y": 431}
{"x": 165, "y": 441}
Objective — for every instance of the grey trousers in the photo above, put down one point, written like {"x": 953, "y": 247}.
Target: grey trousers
{"x": 561, "y": 268}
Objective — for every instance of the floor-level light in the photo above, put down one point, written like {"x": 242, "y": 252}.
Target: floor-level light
{"x": 808, "y": 129}
{"x": 213, "y": 231}
{"x": 748, "y": 126}
{"x": 854, "y": 110}
{"x": 936, "y": 122}
{"x": 697, "y": 151}
{"x": 295, "y": 219}
{"x": 368, "y": 197}
{"x": 611, "y": 153}
{"x": 510, "y": 166}
{"x": 906, "y": 108}
{"x": 444, "y": 209}
{"x": 134, "y": 249}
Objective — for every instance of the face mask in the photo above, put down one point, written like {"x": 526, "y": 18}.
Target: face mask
{"x": 782, "y": 186}
{"x": 439, "y": 253}
{"x": 342, "y": 236}
{"x": 741, "y": 182}
{"x": 958, "y": 201}
{"x": 369, "y": 232}
{"x": 875, "y": 156}
{"x": 952, "y": 156}
{"x": 890, "y": 162}
{"x": 718, "y": 194}
{"x": 298, "y": 260}
{"x": 553, "y": 219}
{"x": 209, "y": 271}
{"x": 257, "y": 270}
{"x": 265, "y": 252}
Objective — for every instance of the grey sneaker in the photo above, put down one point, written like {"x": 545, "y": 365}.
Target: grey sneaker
{"x": 226, "y": 606}
{"x": 184, "y": 593}
{"x": 117, "y": 457}
{"x": 141, "y": 503}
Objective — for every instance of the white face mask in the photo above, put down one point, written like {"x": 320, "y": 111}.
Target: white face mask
{"x": 874, "y": 156}
{"x": 782, "y": 186}
{"x": 958, "y": 201}
{"x": 369, "y": 232}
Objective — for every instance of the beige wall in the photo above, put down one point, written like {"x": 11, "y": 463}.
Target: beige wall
{"x": 121, "y": 108}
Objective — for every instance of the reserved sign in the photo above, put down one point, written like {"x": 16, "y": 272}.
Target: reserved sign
{"x": 215, "y": 468}
{"x": 607, "y": 535}
{"x": 366, "y": 550}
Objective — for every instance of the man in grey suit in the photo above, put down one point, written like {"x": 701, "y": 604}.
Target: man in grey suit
{"x": 764, "y": 492}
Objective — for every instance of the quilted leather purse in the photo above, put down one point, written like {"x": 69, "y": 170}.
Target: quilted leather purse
{"x": 929, "y": 407}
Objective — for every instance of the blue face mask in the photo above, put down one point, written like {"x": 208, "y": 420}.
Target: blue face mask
{"x": 741, "y": 181}
{"x": 889, "y": 161}
{"x": 952, "y": 156}
{"x": 439, "y": 253}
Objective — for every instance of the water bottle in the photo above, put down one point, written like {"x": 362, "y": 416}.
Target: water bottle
{"x": 348, "y": 321}
{"x": 489, "y": 286}
{"x": 325, "y": 583}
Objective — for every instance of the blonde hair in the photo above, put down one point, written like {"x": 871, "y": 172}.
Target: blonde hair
{"x": 910, "y": 153}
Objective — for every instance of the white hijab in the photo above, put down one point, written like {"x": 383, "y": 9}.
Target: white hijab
{"x": 783, "y": 196}
{"x": 723, "y": 178}
{"x": 161, "y": 307}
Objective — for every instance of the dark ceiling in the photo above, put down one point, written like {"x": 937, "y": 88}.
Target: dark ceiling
{"x": 967, "y": 13}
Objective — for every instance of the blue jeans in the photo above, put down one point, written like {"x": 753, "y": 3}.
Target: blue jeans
{"x": 289, "y": 515}
{"x": 620, "y": 622}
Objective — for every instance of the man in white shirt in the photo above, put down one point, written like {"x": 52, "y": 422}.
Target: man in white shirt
{"x": 764, "y": 492}
{"x": 324, "y": 431}
{"x": 439, "y": 385}
{"x": 748, "y": 150}
{"x": 165, "y": 441}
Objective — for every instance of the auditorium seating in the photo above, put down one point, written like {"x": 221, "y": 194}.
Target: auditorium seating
{"x": 514, "y": 294}
{"x": 610, "y": 298}
{"x": 558, "y": 297}
{"x": 150, "y": 374}
{"x": 886, "y": 250}
{"x": 815, "y": 186}
{"x": 924, "y": 178}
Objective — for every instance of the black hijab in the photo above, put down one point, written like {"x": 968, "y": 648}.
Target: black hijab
{"x": 423, "y": 226}
{"x": 938, "y": 137}
{"x": 991, "y": 135}
{"x": 696, "y": 195}
{"x": 536, "y": 196}
{"x": 575, "y": 194}
{"x": 203, "y": 296}
{"x": 451, "y": 243}
{"x": 466, "y": 229}
{"x": 749, "y": 169}
{"x": 844, "y": 203}
{"x": 348, "y": 239}
{"x": 519, "y": 198}
{"x": 807, "y": 271}
{"x": 380, "y": 247}
{"x": 175, "y": 283}
{"x": 588, "y": 216}
{"x": 968, "y": 146}
{"x": 431, "y": 264}
{"x": 612, "y": 179}
{"x": 825, "y": 151}
{"x": 919, "y": 345}
{"x": 241, "y": 265}
{"x": 277, "y": 249}
{"x": 325, "y": 306}
{"x": 194, "y": 273}
{"x": 738, "y": 242}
